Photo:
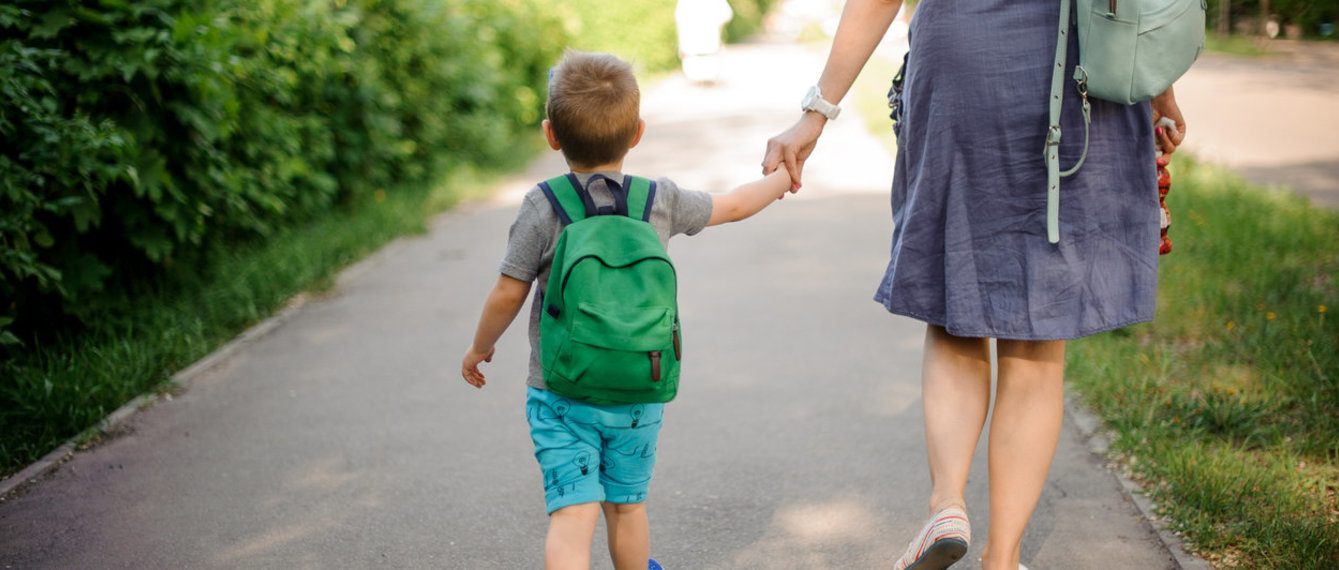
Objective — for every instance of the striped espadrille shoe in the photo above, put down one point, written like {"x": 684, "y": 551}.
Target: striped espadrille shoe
{"x": 941, "y": 543}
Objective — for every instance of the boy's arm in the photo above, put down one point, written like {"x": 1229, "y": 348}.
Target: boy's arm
{"x": 749, "y": 198}
{"x": 504, "y": 302}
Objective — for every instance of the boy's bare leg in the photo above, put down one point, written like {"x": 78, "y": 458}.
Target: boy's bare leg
{"x": 1024, "y": 431}
{"x": 629, "y": 535}
{"x": 955, "y": 389}
{"x": 567, "y": 546}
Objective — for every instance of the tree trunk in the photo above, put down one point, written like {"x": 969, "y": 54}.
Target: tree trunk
{"x": 1264, "y": 18}
{"x": 1224, "y": 27}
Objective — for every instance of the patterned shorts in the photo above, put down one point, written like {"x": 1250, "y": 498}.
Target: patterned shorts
{"x": 589, "y": 453}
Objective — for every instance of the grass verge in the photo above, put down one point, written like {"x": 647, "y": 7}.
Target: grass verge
{"x": 1225, "y": 406}
{"x": 59, "y": 390}
{"x": 1239, "y": 45}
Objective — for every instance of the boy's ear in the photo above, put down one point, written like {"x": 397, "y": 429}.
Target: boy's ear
{"x": 641, "y": 129}
{"x": 553, "y": 140}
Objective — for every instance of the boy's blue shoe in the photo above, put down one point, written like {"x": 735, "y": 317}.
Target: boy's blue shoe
{"x": 653, "y": 565}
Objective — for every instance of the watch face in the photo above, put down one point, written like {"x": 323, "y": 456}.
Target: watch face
{"x": 813, "y": 101}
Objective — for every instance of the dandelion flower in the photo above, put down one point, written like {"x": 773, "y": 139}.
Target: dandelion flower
{"x": 1231, "y": 325}
{"x": 1269, "y": 316}
{"x": 1320, "y": 309}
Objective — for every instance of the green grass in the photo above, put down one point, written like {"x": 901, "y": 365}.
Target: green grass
{"x": 1227, "y": 405}
{"x": 1248, "y": 46}
{"x": 870, "y": 93}
{"x": 60, "y": 390}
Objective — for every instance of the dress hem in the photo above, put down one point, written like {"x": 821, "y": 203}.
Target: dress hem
{"x": 959, "y": 332}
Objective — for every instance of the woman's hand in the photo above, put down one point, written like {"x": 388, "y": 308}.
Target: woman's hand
{"x": 793, "y": 146}
{"x": 1164, "y": 105}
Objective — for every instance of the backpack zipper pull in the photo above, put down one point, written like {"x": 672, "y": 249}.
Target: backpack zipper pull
{"x": 676, "y": 340}
{"x": 655, "y": 365}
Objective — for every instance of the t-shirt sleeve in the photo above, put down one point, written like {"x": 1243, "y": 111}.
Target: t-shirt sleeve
{"x": 689, "y": 209}
{"x": 529, "y": 237}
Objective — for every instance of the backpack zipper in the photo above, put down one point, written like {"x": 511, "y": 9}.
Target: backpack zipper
{"x": 655, "y": 365}
{"x": 572, "y": 267}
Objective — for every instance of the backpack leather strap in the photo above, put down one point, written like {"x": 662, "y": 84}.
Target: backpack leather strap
{"x": 1052, "y": 150}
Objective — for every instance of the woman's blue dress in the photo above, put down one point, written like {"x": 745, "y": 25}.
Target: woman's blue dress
{"x": 969, "y": 249}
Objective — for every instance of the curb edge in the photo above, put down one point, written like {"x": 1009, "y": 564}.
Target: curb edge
{"x": 1099, "y": 443}
{"x": 49, "y": 462}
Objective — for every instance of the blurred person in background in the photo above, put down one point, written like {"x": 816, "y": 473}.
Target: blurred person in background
{"x": 700, "y": 23}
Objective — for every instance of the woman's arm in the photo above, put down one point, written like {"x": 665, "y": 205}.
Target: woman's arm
{"x": 862, "y": 26}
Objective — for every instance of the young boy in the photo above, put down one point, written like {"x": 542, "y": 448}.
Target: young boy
{"x": 594, "y": 457}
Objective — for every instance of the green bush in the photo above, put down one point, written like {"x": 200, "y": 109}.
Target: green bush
{"x": 748, "y": 19}
{"x": 1307, "y": 14}
{"x": 643, "y": 31}
{"x": 139, "y": 137}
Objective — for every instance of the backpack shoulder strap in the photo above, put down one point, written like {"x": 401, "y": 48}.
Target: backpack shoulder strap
{"x": 569, "y": 199}
{"x": 641, "y": 194}
{"x": 573, "y": 202}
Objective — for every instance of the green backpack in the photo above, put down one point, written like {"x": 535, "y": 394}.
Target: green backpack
{"x": 609, "y": 332}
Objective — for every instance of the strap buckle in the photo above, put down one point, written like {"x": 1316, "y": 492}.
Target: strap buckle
{"x": 1053, "y": 135}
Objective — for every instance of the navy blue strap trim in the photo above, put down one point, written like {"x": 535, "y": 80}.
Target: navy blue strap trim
{"x": 620, "y": 196}
{"x": 584, "y": 192}
{"x": 650, "y": 199}
{"x": 557, "y": 206}
{"x": 619, "y": 193}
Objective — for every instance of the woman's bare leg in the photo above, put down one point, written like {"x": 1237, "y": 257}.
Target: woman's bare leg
{"x": 1024, "y": 431}
{"x": 955, "y": 388}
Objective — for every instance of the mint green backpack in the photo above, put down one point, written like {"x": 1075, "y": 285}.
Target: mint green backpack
{"x": 609, "y": 332}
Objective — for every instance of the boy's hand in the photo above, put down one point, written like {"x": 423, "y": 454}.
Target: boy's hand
{"x": 470, "y": 368}
{"x": 793, "y": 146}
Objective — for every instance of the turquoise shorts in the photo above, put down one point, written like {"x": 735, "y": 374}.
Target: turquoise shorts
{"x": 590, "y": 454}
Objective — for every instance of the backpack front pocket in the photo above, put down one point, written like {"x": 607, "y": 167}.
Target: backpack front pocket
{"x": 611, "y": 345}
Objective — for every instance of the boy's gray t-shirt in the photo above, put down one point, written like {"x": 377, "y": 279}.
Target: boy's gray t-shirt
{"x": 534, "y": 235}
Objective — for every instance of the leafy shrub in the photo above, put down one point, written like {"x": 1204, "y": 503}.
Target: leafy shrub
{"x": 641, "y": 31}
{"x": 1307, "y": 14}
{"x": 140, "y": 136}
{"x": 748, "y": 18}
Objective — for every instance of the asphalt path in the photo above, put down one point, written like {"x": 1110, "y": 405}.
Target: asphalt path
{"x": 345, "y": 438}
{"x": 1274, "y": 119}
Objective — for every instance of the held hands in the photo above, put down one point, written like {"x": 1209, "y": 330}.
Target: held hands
{"x": 793, "y": 146}
{"x": 469, "y": 369}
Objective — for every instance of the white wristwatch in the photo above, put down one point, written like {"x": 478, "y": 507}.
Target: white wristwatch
{"x": 813, "y": 101}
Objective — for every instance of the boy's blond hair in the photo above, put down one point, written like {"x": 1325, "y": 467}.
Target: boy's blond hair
{"x": 594, "y": 107}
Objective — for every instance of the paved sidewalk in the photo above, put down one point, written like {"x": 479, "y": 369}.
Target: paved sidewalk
{"x": 346, "y": 439}
{"x": 1274, "y": 119}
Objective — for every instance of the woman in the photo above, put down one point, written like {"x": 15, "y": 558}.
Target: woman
{"x": 970, "y": 254}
